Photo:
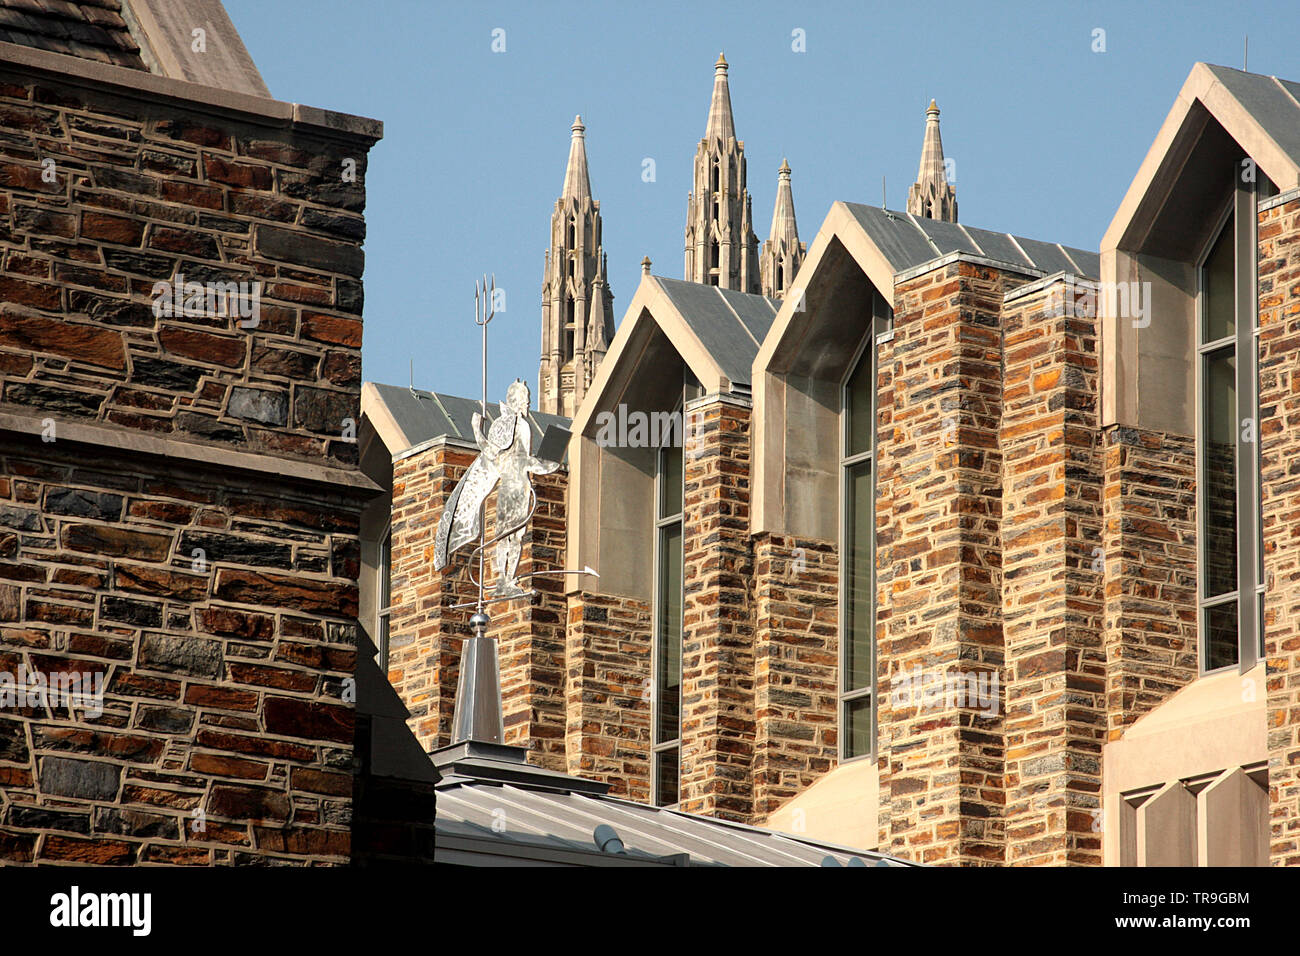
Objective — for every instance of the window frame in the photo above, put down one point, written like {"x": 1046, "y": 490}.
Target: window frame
{"x": 661, "y": 522}
{"x": 869, "y": 344}
{"x": 384, "y": 598}
{"x": 1239, "y": 214}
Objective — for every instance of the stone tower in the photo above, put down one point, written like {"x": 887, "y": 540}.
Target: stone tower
{"x": 931, "y": 197}
{"x": 782, "y": 251}
{"x": 577, "y": 304}
{"x": 721, "y": 248}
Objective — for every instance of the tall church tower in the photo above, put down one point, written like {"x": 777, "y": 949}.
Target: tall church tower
{"x": 577, "y": 304}
{"x": 782, "y": 251}
{"x": 931, "y": 197}
{"x": 721, "y": 248}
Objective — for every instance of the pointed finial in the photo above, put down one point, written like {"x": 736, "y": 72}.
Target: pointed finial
{"x": 785, "y": 167}
{"x": 577, "y": 181}
{"x": 721, "y": 64}
{"x": 933, "y": 108}
{"x": 645, "y": 266}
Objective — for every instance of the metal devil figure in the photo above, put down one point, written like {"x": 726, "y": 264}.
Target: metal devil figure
{"x": 505, "y": 463}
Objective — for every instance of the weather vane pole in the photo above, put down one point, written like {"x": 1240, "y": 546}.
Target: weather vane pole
{"x": 484, "y": 311}
{"x": 505, "y": 464}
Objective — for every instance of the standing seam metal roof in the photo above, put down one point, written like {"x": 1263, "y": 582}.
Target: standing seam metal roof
{"x": 908, "y": 241}
{"x": 566, "y": 821}
{"x": 730, "y": 325}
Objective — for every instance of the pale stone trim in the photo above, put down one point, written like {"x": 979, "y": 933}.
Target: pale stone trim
{"x": 150, "y": 88}
{"x": 1202, "y": 85}
{"x": 119, "y": 441}
{"x": 842, "y": 807}
{"x": 1207, "y": 727}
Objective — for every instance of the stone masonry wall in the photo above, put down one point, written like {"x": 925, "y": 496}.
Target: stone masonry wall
{"x": 1052, "y": 582}
{"x": 179, "y": 500}
{"x": 1149, "y": 545}
{"x": 717, "y": 622}
{"x": 425, "y": 634}
{"x": 102, "y": 198}
{"x": 531, "y": 635}
{"x": 939, "y": 508}
{"x": 608, "y": 692}
{"x": 1279, "y": 430}
{"x": 796, "y": 667}
{"x": 223, "y": 678}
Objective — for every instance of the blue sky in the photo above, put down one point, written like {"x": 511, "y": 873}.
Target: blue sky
{"x": 1045, "y": 133}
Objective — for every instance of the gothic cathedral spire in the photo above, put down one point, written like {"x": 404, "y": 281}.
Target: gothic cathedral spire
{"x": 931, "y": 196}
{"x": 721, "y": 248}
{"x": 782, "y": 251}
{"x": 577, "y": 304}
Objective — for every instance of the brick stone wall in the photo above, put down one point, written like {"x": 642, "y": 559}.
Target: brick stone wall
{"x": 146, "y": 194}
{"x": 1149, "y": 545}
{"x": 608, "y": 692}
{"x": 179, "y": 501}
{"x": 796, "y": 667}
{"x": 939, "y": 510}
{"x": 425, "y": 633}
{"x": 1279, "y": 430}
{"x": 531, "y": 635}
{"x": 1052, "y": 580}
{"x": 223, "y": 679}
{"x": 717, "y": 621}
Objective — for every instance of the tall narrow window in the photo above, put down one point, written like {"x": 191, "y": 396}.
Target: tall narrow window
{"x": 667, "y": 684}
{"x": 857, "y": 548}
{"x": 567, "y": 354}
{"x": 385, "y": 595}
{"x": 1230, "y": 544}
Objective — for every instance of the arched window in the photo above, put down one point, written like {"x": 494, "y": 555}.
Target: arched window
{"x": 714, "y": 254}
{"x": 573, "y": 232}
{"x": 713, "y": 183}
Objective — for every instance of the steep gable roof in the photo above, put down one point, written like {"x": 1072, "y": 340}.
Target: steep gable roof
{"x": 1260, "y": 113}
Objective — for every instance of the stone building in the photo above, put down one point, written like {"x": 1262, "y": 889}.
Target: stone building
{"x": 924, "y": 540}
{"x": 180, "y": 492}
{"x": 972, "y": 549}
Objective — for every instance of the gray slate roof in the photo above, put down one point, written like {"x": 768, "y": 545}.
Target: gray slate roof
{"x": 492, "y": 805}
{"x": 908, "y": 241}
{"x": 730, "y": 325}
{"x": 90, "y": 29}
{"x": 423, "y": 416}
{"x": 1270, "y": 100}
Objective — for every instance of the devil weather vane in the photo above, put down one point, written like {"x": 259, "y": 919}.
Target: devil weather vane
{"x": 505, "y": 462}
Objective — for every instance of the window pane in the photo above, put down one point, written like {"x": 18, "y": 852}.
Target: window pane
{"x": 386, "y": 571}
{"x": 1220, "y": 295}
{"x": 859, "y": 534}
{"x": 666, "y": 777}
{"x": 670, "y": 481}
{"x": 669, "y": 630}
{"x": 1259, "y": 625}
{"x": 857, "y": 727}
{"x": 1221, "y": 635}
{"x": 1220, "y": 470}
{"x": 859, "y": 404}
